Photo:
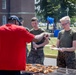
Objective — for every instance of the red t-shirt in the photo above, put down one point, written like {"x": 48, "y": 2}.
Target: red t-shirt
{"x": 13, "y": 40}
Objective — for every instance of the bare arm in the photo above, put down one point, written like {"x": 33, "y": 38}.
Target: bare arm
{"x": 40, "y": 37}
{"x": 43, "y": 44}
{"x": 57, "y": 44}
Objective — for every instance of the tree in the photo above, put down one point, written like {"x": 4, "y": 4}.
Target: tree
{"x": 57, "y": 8}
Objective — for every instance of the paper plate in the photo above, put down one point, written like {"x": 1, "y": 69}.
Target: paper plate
{"x": 54, "y": 48}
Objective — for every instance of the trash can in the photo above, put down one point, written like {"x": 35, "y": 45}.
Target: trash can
{"x": 56, "y": 33}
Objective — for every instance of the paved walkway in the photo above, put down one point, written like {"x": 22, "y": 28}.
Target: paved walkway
{"x": 50, "y": 61}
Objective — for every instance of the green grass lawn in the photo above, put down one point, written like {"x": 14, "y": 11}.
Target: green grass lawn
{"x": 47, "y": 49}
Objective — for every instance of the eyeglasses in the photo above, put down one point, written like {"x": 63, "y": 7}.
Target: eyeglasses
{"x": 65, "y": 23}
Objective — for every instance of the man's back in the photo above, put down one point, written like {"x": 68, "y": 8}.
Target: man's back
{"x": 12, "y": 47}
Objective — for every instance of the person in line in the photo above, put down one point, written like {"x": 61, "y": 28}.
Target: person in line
{"x": 13, "y": 40}
{"x": 22, "y": 22}
{"x": 67, "y": 45}
{"x": 36, "y": 55}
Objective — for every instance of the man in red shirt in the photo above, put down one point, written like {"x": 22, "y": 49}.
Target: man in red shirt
{"x": 13, "y": 39}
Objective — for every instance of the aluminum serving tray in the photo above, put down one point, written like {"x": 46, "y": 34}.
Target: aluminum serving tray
{"x": 59, "y": 71}
{"x": 22, "y": 72}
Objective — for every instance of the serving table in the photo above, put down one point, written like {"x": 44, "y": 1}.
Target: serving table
{"x": 59, "y": 71}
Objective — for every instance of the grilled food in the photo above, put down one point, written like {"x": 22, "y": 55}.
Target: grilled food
{"x": 40, "y": 68}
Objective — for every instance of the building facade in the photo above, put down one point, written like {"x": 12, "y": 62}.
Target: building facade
{"x": 20, "y": 8}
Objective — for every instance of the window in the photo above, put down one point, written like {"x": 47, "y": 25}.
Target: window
{"x": 4, "y": 19}
{"x": 3, "y": 4}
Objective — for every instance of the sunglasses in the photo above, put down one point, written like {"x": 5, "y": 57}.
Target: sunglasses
{"x": 65, "y": 23}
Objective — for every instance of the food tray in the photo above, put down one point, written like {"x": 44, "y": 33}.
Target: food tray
{"x": 38, "y": 68}
{"x": 59, "y": 71}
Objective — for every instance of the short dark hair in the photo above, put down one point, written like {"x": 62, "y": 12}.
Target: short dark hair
{"x": 34, "y": 19}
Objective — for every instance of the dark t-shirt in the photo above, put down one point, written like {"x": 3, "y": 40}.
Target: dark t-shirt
{"x": 37, "y": 32}
{"x": 36, "y": 56}
{"x": 66, "y": 38}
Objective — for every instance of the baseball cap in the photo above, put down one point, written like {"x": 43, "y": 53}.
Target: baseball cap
{"x": 14, "y": 17}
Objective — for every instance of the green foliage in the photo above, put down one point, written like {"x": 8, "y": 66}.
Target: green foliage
{"x": 57, "y": 8}
{"x": 73, "y": 20}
